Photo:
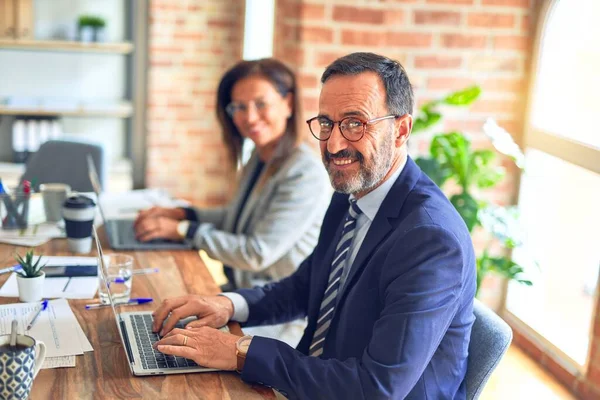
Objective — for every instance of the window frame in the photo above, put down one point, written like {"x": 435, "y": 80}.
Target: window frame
{"x": 572, "y": 151}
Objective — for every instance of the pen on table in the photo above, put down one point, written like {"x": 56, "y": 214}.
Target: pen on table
{"x": 144, "y": 271}
{"x": 10, "y": 269}
{"x": 135, "y": 272}
{"x": 37, "y": 314}
{"x": 132, "y": 302}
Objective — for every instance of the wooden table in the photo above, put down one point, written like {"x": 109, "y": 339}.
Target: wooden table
{"x": 104, "y": 373}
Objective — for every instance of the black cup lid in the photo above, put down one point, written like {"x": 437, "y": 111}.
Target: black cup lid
{"x": 79, "y": 201}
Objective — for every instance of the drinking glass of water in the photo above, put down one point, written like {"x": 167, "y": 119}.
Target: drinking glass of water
{"x": 118, "y": 273}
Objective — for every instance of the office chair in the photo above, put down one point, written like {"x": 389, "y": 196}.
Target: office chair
{"x": 490, "y": 338}
{"x": 62, "y": 161}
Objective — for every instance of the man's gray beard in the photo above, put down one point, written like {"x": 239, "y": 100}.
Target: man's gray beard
{"x": 368, "y": 176}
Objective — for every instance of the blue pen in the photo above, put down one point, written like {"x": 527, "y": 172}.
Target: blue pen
{"x": 37, "y": 314}
{"x": 10, "y": 269}
{"x": 131, "y": 302}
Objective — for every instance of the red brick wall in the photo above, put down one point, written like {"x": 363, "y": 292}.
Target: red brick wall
{"x": 191, "y": 43}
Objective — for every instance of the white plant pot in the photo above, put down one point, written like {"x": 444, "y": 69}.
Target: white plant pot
{"x": 31, "y": 289}
{"x": 86, "y": 34}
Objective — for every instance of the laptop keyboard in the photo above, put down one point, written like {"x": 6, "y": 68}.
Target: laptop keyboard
{"x": 145, "y": 338}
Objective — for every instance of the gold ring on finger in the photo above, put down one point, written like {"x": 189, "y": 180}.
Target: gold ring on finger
{"x": 185, "y": 338}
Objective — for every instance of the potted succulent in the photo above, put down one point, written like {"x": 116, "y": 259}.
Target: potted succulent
{"x": 91, "y": 28}
{"x": 30, "y": 278}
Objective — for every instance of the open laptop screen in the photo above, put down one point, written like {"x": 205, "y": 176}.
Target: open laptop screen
{"x": 104, "y": 281}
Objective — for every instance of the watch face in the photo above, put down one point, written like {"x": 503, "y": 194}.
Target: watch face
{"x": 244, "y": 344}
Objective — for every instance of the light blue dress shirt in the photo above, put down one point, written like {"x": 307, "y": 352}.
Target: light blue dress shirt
{"x": 369, "y": 204}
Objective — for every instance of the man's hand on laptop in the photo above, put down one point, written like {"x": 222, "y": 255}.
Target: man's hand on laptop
{"x": 154, "y": 212}
{"x": 156, "y": 228}
{"x": 207, "y": 346}
{"x": 212, "y": 311}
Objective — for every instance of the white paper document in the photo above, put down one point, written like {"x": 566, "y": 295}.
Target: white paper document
{"x": 59, "y": 362}
{"x": 34, "y": 235}
{"x": 78, "y": 287}
{"x": 56, "y": 326}
{"x": 33, "y": 242}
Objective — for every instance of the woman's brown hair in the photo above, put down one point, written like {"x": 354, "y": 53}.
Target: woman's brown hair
{"x": 284, "y": 81}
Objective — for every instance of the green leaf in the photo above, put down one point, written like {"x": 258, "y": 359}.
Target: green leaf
{"x": 463, "y": 97}
{"x": 481, "y": 172}
{"x": 429, "y": 105}
{"x": 503, "y": 224}
{"x": 433, "y": 170}
{"x": 453, "y": 151}
{"x": 425, "y": 120}
{"x": 467, "y": 207}
{"x": 418, "y": 125}
{"x": 505, "y": 267}
{"x": 488, "y": 178}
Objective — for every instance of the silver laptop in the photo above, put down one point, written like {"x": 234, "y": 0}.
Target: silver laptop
{"x": 135, "y": 329}
{"x": 120, "y": 232}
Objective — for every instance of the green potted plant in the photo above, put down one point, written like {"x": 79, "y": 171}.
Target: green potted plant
{"x": 30, "y": 278}
{"x": 91, "y": 28}
{"x": 464, "y": 173}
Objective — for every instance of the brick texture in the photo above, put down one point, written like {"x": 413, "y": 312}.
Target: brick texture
{"x": 190, "y": 46}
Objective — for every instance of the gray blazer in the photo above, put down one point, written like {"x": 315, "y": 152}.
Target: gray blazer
{"x": 279, "y": 224}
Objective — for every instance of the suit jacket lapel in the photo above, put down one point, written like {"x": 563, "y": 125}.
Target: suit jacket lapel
{"x": 382, "y": 224}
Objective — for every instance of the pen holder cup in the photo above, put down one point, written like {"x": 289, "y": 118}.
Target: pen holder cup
{"x": 14, "y": 210}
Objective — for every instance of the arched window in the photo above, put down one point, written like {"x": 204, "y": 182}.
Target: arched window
{"x": 559, "y": 198}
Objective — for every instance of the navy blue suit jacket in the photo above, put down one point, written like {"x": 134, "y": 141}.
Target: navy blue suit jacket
{"x": 402, "y": 325}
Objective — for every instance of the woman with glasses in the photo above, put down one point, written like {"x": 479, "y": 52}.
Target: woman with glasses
{"x": 273, "y": 221}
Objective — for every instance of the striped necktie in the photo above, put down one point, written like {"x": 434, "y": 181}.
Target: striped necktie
{"x": 342, "y": 252}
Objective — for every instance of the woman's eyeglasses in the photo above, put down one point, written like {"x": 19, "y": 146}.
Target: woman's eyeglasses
{"x": 234, "y": 109}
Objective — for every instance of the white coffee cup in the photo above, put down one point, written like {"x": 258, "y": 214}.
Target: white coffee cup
{"x": 54, "y": 195}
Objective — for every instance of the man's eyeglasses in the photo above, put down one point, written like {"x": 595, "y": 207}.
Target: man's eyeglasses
{"x": 234, "y": 109}
{"x": 352, "y": 128}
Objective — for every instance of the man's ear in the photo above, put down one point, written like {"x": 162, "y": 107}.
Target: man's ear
{"x": 403, "y": 127}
